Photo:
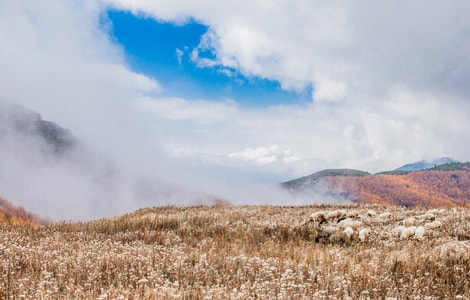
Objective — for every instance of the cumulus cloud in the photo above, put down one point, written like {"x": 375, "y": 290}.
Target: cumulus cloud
{"x": 362, "y": 46}
{"x": 264, "y": 155}
{"x": 200, "y": 111}
{"x": 363, "y": 59}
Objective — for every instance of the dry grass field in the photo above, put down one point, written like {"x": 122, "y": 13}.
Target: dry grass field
{"x": 243, "y": 252}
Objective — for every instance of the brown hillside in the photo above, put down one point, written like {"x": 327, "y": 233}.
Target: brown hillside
{"x": 422, "y": 188}
{"x": 14, "y": 215}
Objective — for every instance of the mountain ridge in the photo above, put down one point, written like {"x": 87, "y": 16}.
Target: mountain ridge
{"x": 444, "y": 185}
{"x": 315, "y": 177}
{"x": 426, "y": 164}
{"x": 24, "y": 123}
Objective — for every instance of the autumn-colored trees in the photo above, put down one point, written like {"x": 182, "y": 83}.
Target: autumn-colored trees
{"x": 14, "y": 215}
{"x": 421, "y": 188}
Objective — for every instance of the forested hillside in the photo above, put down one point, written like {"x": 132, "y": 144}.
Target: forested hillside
{"x": 14, "y": 215}
{"x": 443, "y": 186}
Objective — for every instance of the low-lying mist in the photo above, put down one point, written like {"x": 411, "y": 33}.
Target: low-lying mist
{"x": 57, "y": 176}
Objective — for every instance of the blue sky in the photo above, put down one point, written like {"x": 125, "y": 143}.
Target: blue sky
{"x": 162, "y": 50}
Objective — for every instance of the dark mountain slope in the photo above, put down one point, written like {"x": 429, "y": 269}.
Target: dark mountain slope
{"x": 307, "y": 181}
{"x": 21, "y": 123}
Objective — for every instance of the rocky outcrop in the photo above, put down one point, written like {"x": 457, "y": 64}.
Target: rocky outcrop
{"x": 21, "y": 122}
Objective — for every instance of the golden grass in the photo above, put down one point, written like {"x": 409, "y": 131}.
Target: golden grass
{"x": 237, "y": 252}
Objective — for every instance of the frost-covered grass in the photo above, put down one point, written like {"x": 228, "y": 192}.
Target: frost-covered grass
{"x": 243, "y": 252}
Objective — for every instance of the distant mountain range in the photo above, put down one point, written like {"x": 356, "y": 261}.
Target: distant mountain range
{"x": 447, "y": 182}
{"x": 427, "y": 164}
{"x": 311, "y": 180}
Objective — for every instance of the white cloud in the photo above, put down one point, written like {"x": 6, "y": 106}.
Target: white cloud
{"x": 406, "y": 127}
{"x": 264, "y": 155}
{"x": 329, "y": 90}
{"x": 199, "y": 111}
{"x": 372, "y": 64}
{"x": 179, "y": 55}
{"x": 367, "y": 45}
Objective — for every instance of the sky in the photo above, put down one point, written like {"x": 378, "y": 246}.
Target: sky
{"x": 216, "y": 95}
{"x": 167, "y": 51}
